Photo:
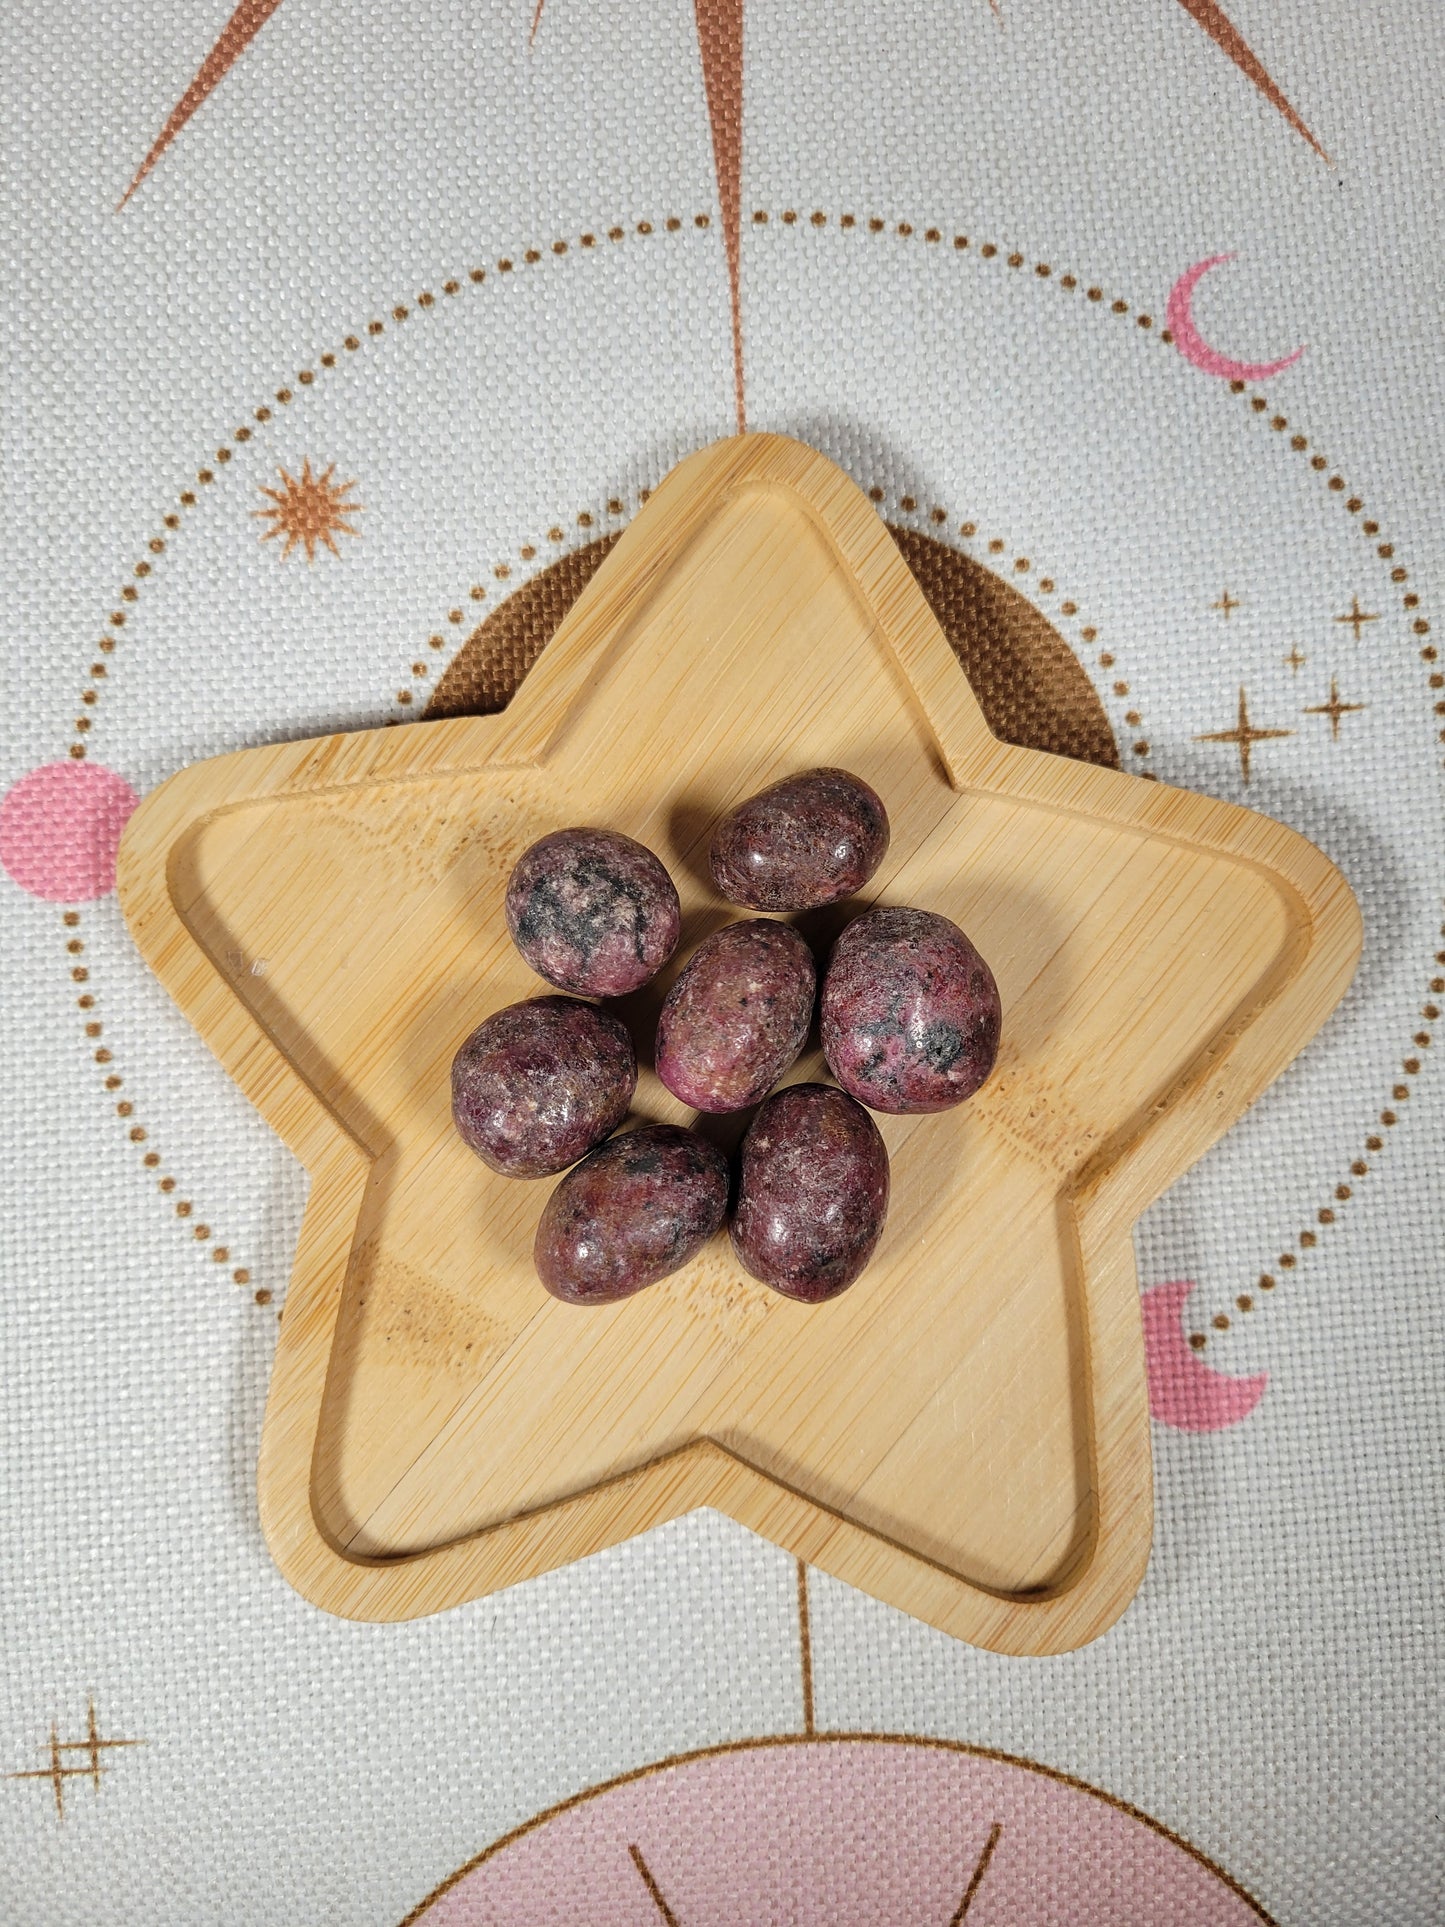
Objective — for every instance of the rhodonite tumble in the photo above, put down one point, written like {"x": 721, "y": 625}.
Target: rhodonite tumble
{"x": 638, "y": 1208}
{"x": 911, "y": 1012}
{"x": 538, "y": 1084}
{"x": 737, "y": 1017}
{"x": 808, "y": 840}
{"x": 593, "y": 911}
{"x": 812, "y": 1192}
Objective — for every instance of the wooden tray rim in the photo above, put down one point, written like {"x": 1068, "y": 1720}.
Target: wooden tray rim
{"x": 1231, "y": 1070}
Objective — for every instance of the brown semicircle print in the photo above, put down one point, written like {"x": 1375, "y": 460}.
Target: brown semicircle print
{"x": 1032, "y": 688}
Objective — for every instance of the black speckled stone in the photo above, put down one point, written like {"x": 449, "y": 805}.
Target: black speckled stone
{"x": 737, "y": 1016}
{"x": 638, "y": 1208}
{"x": 812, "y": 1192}
{"x": 911, "y": 1014}
{"x": 538, "y": 1084}
{"x": 808, "y": 840}
{"x": 593, "y": 911}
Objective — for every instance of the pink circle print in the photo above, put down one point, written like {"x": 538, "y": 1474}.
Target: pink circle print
{"x": 60, "y": 829}
{"x": 814, "y": 1832}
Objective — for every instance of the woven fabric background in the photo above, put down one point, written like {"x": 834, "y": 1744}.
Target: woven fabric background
{"x": 466, "y": 285}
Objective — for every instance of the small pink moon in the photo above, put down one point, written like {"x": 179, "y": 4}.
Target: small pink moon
{"x": 1179, "y": 319}
{"x": 1183, "y": 1391}
{"x": 862, "y": 1829}
{"x": 60, "y": 829}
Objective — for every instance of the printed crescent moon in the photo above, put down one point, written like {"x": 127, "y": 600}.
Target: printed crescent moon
{"x": 1183, "y": 1391}
{"x": 1192, "y": 345}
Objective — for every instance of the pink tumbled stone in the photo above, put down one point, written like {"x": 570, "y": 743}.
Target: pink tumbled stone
{"x": 812, "y": 1192}
{"x": 911, "y": 1013}
{"x": 737, "y": 1016}
{"x": 592, "y": 911}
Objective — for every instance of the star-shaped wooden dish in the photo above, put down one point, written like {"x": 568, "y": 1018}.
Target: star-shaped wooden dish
{"x": 965, "y": 1433}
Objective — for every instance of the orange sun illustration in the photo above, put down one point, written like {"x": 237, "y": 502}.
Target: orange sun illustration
{"x": 309, "y": 509}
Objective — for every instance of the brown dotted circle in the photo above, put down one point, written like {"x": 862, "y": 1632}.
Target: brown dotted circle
{"x": 585, "y": 519}
{"x": 136, "y": 1133}
{"x": 1044, "y": 272}
{"x": 1023, "y": 565}
{"x": 306, "y": 378}
{"x": 1353, "y": 504}
{"x": 1336, "y": 486}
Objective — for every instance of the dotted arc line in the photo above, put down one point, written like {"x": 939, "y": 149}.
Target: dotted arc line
{"x": 585, "y": 520}
{"x": 136, "y": 1133}
{"x": 929, "y": 236}
{"x": 143, "y": 573}
{"x": 1023, "y": 567}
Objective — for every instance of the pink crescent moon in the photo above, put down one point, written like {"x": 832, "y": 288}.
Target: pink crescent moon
{"x": 1183, "y": 1391}
{"x": 1192, "y": 345}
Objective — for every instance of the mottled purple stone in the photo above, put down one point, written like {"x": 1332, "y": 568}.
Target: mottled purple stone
{"x": 812, "y": 1192}
{"x": 737, "y": 1016}
{"x": 538, "y": 1084}
{"x": 911, "y": 1012}
{"x": 638, "y": 1208}
{"x": 808, "y": 840}
{"x": 593, "y": 911}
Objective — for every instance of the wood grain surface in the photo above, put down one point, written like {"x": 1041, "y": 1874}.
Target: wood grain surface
{"x": 965, "y": 1433}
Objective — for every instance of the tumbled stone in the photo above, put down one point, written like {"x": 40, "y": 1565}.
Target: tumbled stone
{"x": 808, "y": 840}
{"x": 910, "y": 1012}
{"x": 638, "y": 1208}
{"x": 737, "y": 1016}
{"x": 539, "y": 1083}
{"x": 812, "y": 1192}
{"x": 593, "y": 911}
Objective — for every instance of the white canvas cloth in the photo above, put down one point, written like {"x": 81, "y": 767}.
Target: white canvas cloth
{"x": 1273, "y": 1695}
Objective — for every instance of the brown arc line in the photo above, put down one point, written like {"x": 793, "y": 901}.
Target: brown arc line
{"x": 265, "y": 414}
{"x": 1067, "y": 282}
{"x": 986, "y": 605}
{"x": 1259, "y": 405}
{"x": 523, "y": 622}
{"x": 1059, "y": 1777}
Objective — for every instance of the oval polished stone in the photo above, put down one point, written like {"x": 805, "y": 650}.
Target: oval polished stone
{"x": 911, "y": 1012}
{"x": 593, "y": 911}
{"x": 737, "y": 1016}
{"x": 808, "y": 840}
{"x": 638, "y": 1208}
{"x": 539, "y": 1083}
{"x": 812, "y": 1192}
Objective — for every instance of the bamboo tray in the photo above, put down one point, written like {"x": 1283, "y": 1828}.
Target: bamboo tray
{"x": 965, "y": 1433}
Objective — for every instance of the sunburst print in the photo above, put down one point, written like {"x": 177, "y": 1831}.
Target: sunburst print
{"x": 309, "y": 509}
